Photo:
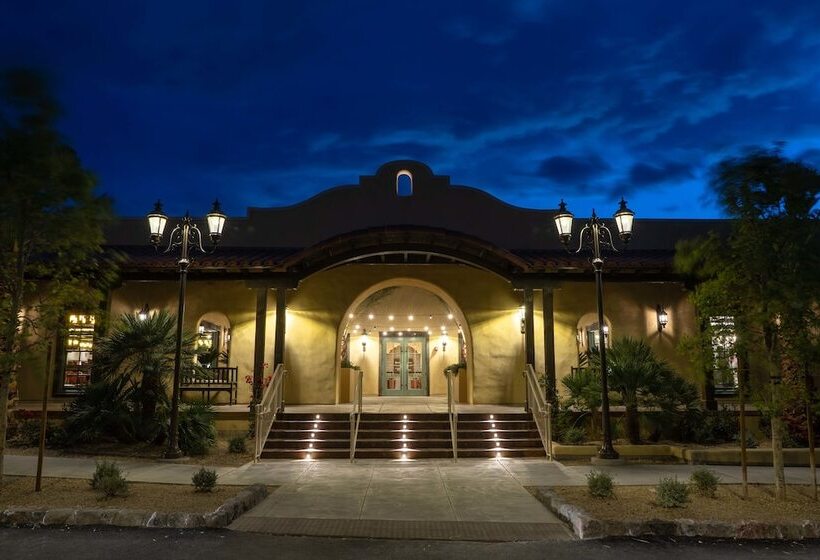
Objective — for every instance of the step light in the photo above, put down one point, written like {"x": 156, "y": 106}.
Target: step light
{"x": 308, "y": 457}
{"x": 317, "y": 417}
{"x": 404, "y": 426}
{"x": 498, "y": 455}
{"x": 405, "y": 417}
{"x": 316, "y": 425}
{"x": 491, "y": 416}
{"x": 493, "y": 425}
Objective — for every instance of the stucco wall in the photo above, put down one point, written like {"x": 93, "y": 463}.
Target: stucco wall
{"x": 231, "y": 298}
{"x": 488, "y": 303}
{"x": 630, "y": 310}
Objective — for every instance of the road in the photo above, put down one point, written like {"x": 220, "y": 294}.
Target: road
{"x": 127, "y": 544}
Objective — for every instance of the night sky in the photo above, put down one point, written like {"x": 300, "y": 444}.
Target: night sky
{"x": 266, "y": 103}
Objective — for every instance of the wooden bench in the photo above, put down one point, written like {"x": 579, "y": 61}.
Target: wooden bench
{"x": 216, "y": 380}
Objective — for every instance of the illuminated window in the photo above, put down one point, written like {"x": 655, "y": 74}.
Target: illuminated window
{"x": 404, "y": 183}
{"x": 722, "y": 329}
{"x": 592, "y": 335}
{"x": 77, "y": 352}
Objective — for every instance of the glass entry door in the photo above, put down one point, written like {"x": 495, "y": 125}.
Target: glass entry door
{"x": 403, "y": 366}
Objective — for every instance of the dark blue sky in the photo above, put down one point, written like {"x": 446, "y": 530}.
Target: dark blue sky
{"x": 266, "y": 103}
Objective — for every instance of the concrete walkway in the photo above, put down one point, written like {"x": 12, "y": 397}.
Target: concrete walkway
{"x": 474, "y": 499}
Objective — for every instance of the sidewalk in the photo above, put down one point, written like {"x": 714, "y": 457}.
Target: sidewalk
{"x": 472, "y": 499}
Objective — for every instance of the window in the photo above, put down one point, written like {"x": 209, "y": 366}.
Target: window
{"x": 213, "y": 344}
{"x": 722, "y": 329}
{"x": 404, "y": 183}
{"x": 593, "y": 337}
{"x": 77, "y": 353}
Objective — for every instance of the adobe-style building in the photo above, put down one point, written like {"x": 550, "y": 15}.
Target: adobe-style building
{"x": 401, "y": 274}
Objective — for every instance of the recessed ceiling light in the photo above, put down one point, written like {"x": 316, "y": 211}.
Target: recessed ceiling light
{"x": 450, "y": 316}
{"x": 370, "y": 316}
{"x": 390, "y": 317}
{"x": 350, "y": 315}
{"x": 357, "y": 327}
{"x": 410, "y": 317}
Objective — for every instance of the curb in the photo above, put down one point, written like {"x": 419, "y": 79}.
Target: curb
{"x": 587, "y": 527}
{"x": 220, "y": 517}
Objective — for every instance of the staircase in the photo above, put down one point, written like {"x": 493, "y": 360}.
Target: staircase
{"x": 402, "y": 436}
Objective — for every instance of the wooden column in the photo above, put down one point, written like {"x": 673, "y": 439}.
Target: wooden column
{"x": 549, "y": 343}
{"x": 279, "y": 333}
{"x": 529, "y": 329}
{"x": 259, "y": 339}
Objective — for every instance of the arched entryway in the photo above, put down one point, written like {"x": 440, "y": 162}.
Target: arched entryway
{"x": 403, "y": 332}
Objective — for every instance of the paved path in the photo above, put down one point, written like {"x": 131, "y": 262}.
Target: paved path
{"x": 474, "y": 499}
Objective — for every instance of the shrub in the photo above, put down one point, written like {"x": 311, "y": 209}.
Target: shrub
{"x": 204, "y": 480}
{"x": 573, "y": 435}
{"x": 109, "y": 479}
{"x": 705, "y": 482}
{"x": 237, "y": 444}
{"x": 671, "y": 493}
{"x": 600, "y": 484}
{"x": 197, "y": 431}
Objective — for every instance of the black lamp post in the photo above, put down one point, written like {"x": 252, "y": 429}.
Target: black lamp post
{"x": 185, "y": 235}
{"x": 595, "y": 236}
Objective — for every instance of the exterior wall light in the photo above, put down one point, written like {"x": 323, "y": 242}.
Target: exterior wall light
{"x": 143, "y": 313}
{"x": 364, "y": 341}
{"x": 663, "y": 318}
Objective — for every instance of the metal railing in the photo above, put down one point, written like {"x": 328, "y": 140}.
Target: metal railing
{"x": 271, "y": 404}
{"x": 356, "y": 413}
{"x": 541, "y": 409}
{"x": 452, "y": 410}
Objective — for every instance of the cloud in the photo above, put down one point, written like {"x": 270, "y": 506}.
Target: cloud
{"x": 643, "y": 174}
{"x": 572, "y": 169}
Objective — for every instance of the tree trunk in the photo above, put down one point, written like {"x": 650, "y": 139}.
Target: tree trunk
{"x": 633, "y": 424}
{"x": 777, "y": 458}
{"x": 5, "y": 384}
{"x": 742, "y": 383}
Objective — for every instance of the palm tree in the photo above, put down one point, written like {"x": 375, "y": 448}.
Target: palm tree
{"x": 641, "y": 379}
{"x": 142, "y": 351}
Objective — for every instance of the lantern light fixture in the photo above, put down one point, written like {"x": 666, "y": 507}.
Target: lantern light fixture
{"x": 663, "y": 317}
{"x": 144, "y": 313}
{"x": 156, "y": 223}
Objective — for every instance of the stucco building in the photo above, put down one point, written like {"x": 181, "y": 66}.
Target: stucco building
{"x": 402, "y": 274}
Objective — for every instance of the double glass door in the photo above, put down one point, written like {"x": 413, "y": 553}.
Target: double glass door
{"x": 403, "y": 366}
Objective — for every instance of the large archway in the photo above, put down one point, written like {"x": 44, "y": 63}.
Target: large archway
{"x": 367, "y": 320}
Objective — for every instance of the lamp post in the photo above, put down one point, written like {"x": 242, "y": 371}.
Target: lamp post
{"x": 186, "y": 236}
{"x": 596, "y": 236}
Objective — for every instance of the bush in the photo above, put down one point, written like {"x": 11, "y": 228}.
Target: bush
{"x": 109, "y": 479}
{"x": 197, "y": 431}
{"x": 204, "y": 480}
{"x": 600, "y": 484}
{"x": 573, "y": 435}
{"x": 671, "y": 493}
{"x": 705, "y": 482}
{"x": 237, "y": 444}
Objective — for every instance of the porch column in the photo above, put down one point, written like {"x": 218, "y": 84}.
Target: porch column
{"x": 279, "y": 333}
{"x": 529, "y": 329}
{"x": 259, "y": 339}
{"x": 549, "y": 343}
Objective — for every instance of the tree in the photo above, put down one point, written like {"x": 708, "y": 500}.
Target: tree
{"x": 51, "y": 227}
{"x": 765, "y": 273}
{"x": 142, "y": 352}
{"x": 641, "y": 380}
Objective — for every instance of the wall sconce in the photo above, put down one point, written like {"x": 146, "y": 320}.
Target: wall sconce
{"x": 663, "y": 318}
{"x": 143, "y": 313}
{"x": 523, "y": 317}
{"x": 364, "y": 341}
{"x": 444, "y": 343}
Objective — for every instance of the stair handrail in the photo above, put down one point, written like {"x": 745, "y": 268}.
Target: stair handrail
{"x": 271, "y": 404}
{"x": 541, "y": 409}
{"x": 452, "y": 410}
{"x": 356, "y": 413}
